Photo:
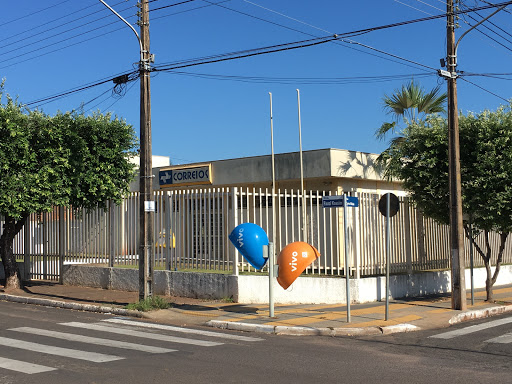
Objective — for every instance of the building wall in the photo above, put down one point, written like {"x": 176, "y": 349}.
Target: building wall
{"x": 334, "y": 170}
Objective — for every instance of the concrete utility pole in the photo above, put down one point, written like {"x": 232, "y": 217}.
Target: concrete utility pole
{"x": 456, "y": 228}
{"x": 147, "y": 203}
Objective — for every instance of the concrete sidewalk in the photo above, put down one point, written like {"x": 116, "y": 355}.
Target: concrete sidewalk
{"x": 328, "y": 320}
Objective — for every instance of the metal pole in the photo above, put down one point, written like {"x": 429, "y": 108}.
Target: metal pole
{"x": 471, "y": 262}
{"x": 271, "y": 262}
{"x": 347, "y": 266}
{"x": 274, "y": 218}
{"x": 388, "y": 229}
{"x": 304, "y": 227}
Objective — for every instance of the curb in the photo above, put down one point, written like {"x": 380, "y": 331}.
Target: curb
{"x": 307, "y": 331}
{"x": 71, "y": 305}
{"x": 479, "y": 314}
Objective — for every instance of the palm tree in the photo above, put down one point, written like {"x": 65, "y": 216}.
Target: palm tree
{"x": 407, "y": 105}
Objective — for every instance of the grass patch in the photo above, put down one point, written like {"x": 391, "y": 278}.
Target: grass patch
{"x": 228, "y": 299}
{"x": 149, "y": 304}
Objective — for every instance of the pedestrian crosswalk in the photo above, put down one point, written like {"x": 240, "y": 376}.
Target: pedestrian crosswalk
{"x": 502, "y": 339}
{"x": 141, "y": 335}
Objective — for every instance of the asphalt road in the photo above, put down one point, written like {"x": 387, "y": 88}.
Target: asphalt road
{"x": 49, "y": 345}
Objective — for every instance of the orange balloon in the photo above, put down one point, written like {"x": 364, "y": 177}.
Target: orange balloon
{"x": 293, "y": 260}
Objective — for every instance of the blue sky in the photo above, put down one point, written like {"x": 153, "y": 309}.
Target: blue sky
{"x": 221, "y": 110}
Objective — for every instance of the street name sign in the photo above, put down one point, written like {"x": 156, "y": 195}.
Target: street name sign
{"x": 337, "y": 201}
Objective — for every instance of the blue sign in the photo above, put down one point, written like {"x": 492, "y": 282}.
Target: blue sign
{"x": 186, "y": 175}
{"x": 249, "y": 239}
{"x": 337, "y": 201}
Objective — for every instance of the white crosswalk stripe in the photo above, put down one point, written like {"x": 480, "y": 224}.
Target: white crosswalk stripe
{"x": 58, "y": 351}
{"x": 146, "y": 335}
{"x": 183, "y": 330}
{"x": 92, "y": 340}
{"x": 23, "y": 367}
{"x": 472, "y": 329}
{"x": 117, "y": 326}
{"x": 503, "y": 339}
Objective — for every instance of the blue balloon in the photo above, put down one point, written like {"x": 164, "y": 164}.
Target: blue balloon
{"x": 249, "y": 239}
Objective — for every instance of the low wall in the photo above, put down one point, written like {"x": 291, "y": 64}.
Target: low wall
{"x": 173, "y": 283}
{"x": 250, "y": 289}
{"x": 21, "y": 268}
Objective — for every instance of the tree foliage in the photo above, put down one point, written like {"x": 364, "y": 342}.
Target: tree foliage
{"x": 409, "y": 105}
{"x": 67, "y": 159}
{"x": 421, "y": 161}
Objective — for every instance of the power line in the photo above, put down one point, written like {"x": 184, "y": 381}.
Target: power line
{"x": 115, "y": 101}
{"x": 171, "y": 5}
{"x": 341, "y": 43}
{"x": 390, "y": 54}
{"x": 491, "y": 30}
{"x": 258, "y": 51}
{"x": 304, "y": 80}
{"x": 57, "y": 20}
{"x": 55, "y": 35}
{"x": 131, "y": 76}
{"x": 33, "y": 13}
{"x": 483, "y": 89}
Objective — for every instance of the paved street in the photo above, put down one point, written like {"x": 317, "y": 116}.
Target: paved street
{"x": 51, "y": 345}
{"x": 474, "y": 341}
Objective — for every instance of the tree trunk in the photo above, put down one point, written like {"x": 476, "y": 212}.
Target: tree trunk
{"x": 488, "y": 280}
{"x": 12, "y": 273}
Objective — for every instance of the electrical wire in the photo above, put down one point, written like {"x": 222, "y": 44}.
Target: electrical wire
{"x": 258, "y": 51}
{"x": 59, "y": 21}
{"x": 33, "y": 13}
{"x": 483, "y": 89}
{"x": 133, "y": 75}
{"x": 389, "y": 54}
{"x": 171, "y": 5}
{"x": 345, "y": 45}
{"x": 486, "y": 35}
{"x": 43, "y": 39}
{"x": 304, "y": 80}
{"x": 110, "y": 106}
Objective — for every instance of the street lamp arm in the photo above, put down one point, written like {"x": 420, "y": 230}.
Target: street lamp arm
{"x": 477, "y": 24}
{"x": 131, "y": 27}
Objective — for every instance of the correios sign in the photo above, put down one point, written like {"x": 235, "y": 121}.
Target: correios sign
{"x": 185, "y": 175}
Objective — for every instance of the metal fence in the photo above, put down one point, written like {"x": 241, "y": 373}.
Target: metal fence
{"x": 192, "y": 228}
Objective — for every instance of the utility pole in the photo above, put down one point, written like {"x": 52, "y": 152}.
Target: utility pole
{"x": 146, "y": 203}
{"x": 456, "y": 228}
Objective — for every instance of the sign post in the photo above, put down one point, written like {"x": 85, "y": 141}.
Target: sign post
{"x": 388, "y": 206}
{"x": 345, "y": 202}
{"x": 347, "y": 266}
{"x": 268, "y": 252}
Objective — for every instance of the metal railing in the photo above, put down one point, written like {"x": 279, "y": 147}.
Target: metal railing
{"x": 192, "y": 228}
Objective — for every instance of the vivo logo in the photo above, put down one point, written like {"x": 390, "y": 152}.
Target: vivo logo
{"x": 240, "y": 239}
{"x": 294, "y": 261}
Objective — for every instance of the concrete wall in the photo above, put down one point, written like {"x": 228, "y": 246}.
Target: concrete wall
{"x": 249, "y": 289}
{"x": 21, "y": 268}
{"x": 184, "y": 284}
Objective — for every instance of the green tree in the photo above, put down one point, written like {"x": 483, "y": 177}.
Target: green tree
{"x": 68, "y": 159}
{"x": 421, "y": 161}
{"x": 407, "y": 106}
